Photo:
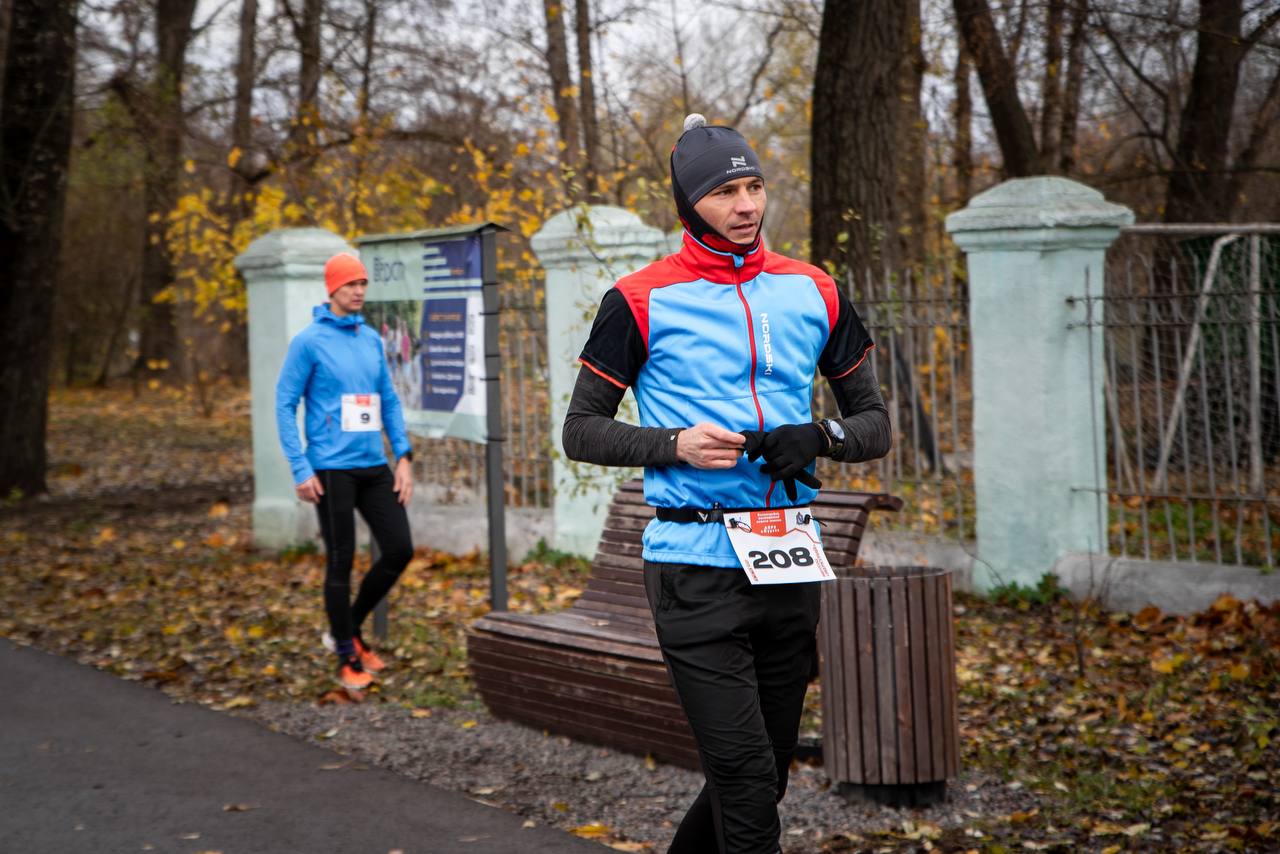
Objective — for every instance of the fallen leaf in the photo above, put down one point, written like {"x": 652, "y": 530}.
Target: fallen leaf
{"x": 591, "y": 831}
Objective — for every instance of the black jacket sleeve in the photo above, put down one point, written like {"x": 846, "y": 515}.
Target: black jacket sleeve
{"x": 592, "y": 434}
{"x": 867, "y": 432}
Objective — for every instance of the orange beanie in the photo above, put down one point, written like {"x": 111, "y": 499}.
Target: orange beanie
{"x": 343, "y": 269}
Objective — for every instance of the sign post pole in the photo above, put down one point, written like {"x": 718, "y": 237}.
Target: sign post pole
{"x": 428, "y": 280}
{"x": 493, "y": 419}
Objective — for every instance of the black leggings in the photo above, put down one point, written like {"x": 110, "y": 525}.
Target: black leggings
{"x": 739, "y": 657}
{"x": 368, "y": 490}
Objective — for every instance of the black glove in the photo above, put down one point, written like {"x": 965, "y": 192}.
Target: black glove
{"x": 788, "y": 450}
{"x": 754, "y": 446}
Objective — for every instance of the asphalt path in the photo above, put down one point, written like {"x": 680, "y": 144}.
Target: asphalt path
{"x": 91, "y": 763}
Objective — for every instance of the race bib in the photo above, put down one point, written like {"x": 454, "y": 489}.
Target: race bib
{"x": 778, "y": 546}
{"x": 361, "y": 413}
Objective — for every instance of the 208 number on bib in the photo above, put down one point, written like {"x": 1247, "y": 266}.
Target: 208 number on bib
{"x": 799, "y": 556}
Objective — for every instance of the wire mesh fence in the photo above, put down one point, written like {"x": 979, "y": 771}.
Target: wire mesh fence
{"x": 1190, "y": 322}
{"x": 920, "y": 323}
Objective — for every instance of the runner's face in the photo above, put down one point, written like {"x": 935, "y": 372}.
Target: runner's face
{"x": 349, "y": 298}
{"x": 735, "y": 209}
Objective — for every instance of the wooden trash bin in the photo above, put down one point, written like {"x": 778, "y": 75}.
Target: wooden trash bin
{"x": 886, "y": 646}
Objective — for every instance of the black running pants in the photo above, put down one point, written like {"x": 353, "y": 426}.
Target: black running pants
{"x": 739, "y": 657}
{"x": 368, "y": 490}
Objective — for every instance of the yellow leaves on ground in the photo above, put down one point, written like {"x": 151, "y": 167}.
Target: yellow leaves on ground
{"x": 1163, "y": 663}
{"x": 1142, "y": 732}
{"x": 591, "y": 831}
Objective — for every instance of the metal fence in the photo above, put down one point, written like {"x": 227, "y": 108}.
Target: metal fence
{"x": 920, "y": 323}
{"x": 1190, "y": 321}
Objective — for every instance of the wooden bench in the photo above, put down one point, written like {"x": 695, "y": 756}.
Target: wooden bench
{"x": 593, "y": 671}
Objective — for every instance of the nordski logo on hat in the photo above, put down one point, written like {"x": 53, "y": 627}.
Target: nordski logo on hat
{"x": 737, "y": 161}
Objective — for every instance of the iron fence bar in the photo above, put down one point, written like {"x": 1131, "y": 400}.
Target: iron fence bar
{"x": 1254, "y": 347}
{"x": 1117, "y": 440}
{"x": 1142, "y": 449}
{"x": 1156, "y": 359}
{"x": 1161, "y": 228}
{"x": 1233, "y": 456}
{"x": 1189, "y": 495}
{"x": 1208, "y": 446}
{"x": 1100, "y": 501}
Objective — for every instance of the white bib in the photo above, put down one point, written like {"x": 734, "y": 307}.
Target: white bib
{"x": 361, "y": 413}
{"x": 778, "y": 546}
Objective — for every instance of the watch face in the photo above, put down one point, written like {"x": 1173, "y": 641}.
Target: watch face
{"x": 836, "y": 429}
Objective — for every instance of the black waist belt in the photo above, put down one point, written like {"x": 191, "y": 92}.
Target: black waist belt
{"x": 710, "y": 515}
{"x": 699, "y": 515}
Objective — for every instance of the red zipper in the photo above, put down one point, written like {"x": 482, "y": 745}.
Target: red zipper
{"x": 751, "y": 338}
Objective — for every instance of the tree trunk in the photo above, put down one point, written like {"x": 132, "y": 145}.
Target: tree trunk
{"x": 1195, "y": 189}
{"x": 164, "y": 130}
{"x": 863, "y": 51}
{"x": 1051, "y": 86}
{"x": 362, "y": 107}
{"x": 911, "y": 132}
{"x": 999, "y": 87}
{"x": 38, "y": 93}
{"x": 308, "y": 35}
{"x": 246, "y": 62}
{"x": 562, "y": 89}
{"x": 1075, "y": 79}
{"x": 6, "y": 9}
{"x": 962, "y": 149}
{"x": 587, "y": 89}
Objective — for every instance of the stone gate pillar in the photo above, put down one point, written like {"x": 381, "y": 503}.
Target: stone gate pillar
{"x": 584, "y": 250}
{"x": 284, "y": 276}
{"x": 1038, "y": 423}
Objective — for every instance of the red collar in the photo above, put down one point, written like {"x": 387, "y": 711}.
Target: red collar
{"x": 720, "y": 265}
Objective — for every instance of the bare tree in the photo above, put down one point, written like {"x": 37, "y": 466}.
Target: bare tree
{"x": 962, "y": 116}
{"x": 1073, "y": 87}
{"x": 911, "y": 145}
{"x": 159, "y": 118}
{"x": 562, "y": 88}
{"x": 1196, "y": 190}
{"x": 38, "y": 93}
{"x": 1051, "y": 86}
{"x": 587, "y": 91}
{"x": 306, "y": 30}
{"x": 1000, "y": 88}
{"x": 6, "y": 9}
{"x": 246, "y": 65}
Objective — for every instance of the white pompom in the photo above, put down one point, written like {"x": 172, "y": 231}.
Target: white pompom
{"x": 695, "y": 120}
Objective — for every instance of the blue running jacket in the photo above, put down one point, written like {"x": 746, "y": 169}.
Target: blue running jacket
{"x": 735, "y": 340}
{"x": 332, "y": 357}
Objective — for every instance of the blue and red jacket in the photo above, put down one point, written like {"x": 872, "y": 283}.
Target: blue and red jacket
{"x": 733, "y": 339}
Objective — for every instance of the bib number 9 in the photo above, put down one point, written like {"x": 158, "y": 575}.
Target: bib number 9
{"x": 799, "y": 556}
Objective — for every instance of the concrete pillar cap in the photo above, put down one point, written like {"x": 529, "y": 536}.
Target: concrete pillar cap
{"x": 291, "y": 247}
{"x": 1039, "y": 208}
{"x": 582, "y": 233}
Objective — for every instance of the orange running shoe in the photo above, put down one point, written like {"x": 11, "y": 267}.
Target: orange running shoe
{"x": 352, "y": 676}
{"x": 372, "y": 663}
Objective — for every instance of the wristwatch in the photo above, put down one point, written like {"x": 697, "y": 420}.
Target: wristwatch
{"x": 834, "y": 431}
